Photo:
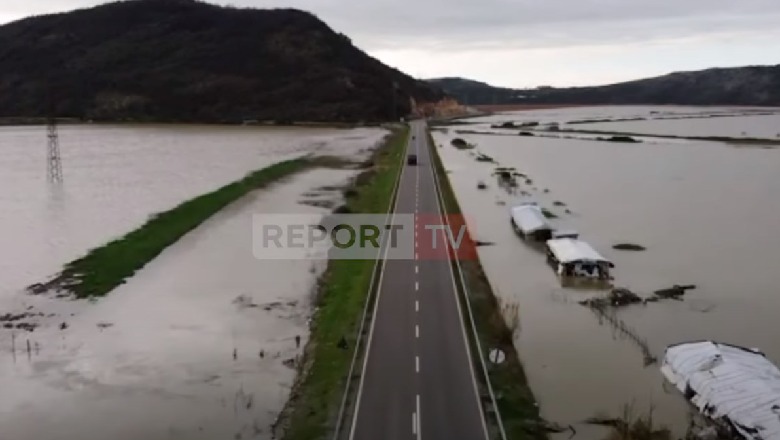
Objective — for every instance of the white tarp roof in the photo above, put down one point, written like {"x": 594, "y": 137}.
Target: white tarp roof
{"x": 737, "y": 384}
{"x": 569, "y": 250}
{"x": 529, "y": 218}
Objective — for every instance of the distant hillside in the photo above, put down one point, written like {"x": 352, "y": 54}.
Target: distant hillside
{"x": 184, "y": 60}
{"x": 470, "y": 92}
{"x": 754, "y": 85}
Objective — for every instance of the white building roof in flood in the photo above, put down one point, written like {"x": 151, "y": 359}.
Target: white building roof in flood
{"x": 529, "y": 218}
{"x": 734, "y": 384}
{"x": 569, "y": 250}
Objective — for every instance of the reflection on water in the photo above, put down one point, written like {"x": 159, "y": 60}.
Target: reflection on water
{"x": 707, "y": 214}
{"x": 581, "y": 283}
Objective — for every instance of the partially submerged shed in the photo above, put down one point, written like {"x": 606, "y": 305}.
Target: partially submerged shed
{"x": 574, "y": 257}
{"x": 528, "y": 220}
{"x": 735, "y": 386}
{"x": 565, "y": 233}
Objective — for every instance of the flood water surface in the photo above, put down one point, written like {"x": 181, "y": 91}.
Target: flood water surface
{"x": 707, "y": 214}
{"x": 200, "y": 344}
{"x": 759, "y": 126}
{"x": 117, "y": 176}
{"x": 736, "y": 122}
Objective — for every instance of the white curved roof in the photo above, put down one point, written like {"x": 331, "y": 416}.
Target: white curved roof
{"x": 734, "y": 383}
{"x": 529, "y": 218}
{"x": 569, "y": 250}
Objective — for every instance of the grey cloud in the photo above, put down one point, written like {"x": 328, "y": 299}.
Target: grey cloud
{"x": 388, "y": 24}
{"x": 456, "y": 24}
{"x": 16, "y": 9}
{"x": 557, "y": 23}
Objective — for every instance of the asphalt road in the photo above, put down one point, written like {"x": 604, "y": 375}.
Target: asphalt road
{"x": 418, "y": 381}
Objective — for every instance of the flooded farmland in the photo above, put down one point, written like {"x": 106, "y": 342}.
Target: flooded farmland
{"x": 706, "y": 212}
{"x": 117, "y": 176}
{"x": 201, "y": 343}
{"x": 757, "y": 126}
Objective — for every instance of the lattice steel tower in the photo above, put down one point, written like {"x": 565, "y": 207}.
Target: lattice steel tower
{"x": 53, "y": 159}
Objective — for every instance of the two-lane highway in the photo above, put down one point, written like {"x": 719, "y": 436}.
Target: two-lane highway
{"x": 418, "y": 380}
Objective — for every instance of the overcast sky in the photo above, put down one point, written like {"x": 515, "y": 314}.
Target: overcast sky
{"x": 526, "y": 43}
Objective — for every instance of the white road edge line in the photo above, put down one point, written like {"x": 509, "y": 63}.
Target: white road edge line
{"x": 376, "y": 307}
{"x": 419, "y": 419}
{"x": 457, "y": 300}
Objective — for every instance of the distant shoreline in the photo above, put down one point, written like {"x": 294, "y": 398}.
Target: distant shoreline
{"x": 521, "y": 107}
{"x": 38, "y": 121}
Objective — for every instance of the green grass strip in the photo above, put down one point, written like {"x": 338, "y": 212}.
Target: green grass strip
{"x": 315, "y": 400}
{"x": 108, "y": 266}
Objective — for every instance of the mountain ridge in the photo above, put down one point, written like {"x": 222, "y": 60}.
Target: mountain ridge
{"x": 190, "y": 61}
{"x": 747, "y": 85}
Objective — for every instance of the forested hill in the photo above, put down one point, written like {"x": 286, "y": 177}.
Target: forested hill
{"x": 189, "y": 61}
{"x": 752, "y": 85}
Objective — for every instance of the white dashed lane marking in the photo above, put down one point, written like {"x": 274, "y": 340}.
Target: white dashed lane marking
{"x": 419, "y": 428}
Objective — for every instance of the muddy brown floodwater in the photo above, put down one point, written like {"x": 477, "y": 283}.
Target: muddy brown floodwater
{"x": 760, "y": 126}
{"x": 200, "y": 343}
{"x": 707, "y": 214}
{"x": 116, "y": 176}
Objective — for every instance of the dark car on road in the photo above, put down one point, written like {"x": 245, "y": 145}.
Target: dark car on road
{"x": 412, "y": 159}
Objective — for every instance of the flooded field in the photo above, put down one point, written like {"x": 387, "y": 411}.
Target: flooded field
{"x": 202, "y": 342}
{"x": 707, "y": 213}
{"x": 758, "y": 126}
{"x": 752, "y": 122}
{"x": 117, "y": 176}
{"x": 567, "y": 114}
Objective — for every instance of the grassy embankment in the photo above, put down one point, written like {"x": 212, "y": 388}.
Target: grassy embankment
{"x": 342, "y": 289}
{"x": 515, "y": 400}
{"x": 316, "y": 398}
{"x": 104, "y": 268}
